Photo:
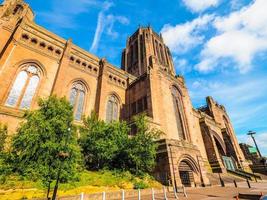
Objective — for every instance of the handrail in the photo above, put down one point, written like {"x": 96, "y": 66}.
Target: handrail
{"x": 250, "y": 174}
{"x": 243, "y": 175}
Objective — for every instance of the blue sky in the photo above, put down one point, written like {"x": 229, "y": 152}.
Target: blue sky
{"x": 219, "y": 46}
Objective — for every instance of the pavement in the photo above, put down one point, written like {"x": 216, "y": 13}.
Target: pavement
{"x": 215, "y": 192}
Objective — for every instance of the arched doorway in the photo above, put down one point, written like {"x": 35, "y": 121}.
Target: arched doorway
{"x": 188, "y": 171}
{"x": 186, "y": 174}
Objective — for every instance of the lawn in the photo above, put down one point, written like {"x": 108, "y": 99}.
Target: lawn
{"x": 90, "y": 182}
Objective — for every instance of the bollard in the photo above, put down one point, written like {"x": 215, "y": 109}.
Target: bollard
{"x": 184, "y": 191}
{"x": 122, "y": 195}
{"x": 139, "y": 194}
{"x": 104, "y": 196}
{"x": 235, "y": 183}
{"x": 153, "y": 194}
{"x": 222, "y": 182}
{"x": 175, "y": 193}
{"x": 165, "y": 194}
{"x": 81, "y": 198}
{"x": 248, "y": 183}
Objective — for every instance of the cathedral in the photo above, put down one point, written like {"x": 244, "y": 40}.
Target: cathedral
{"x": 35, "y": 63}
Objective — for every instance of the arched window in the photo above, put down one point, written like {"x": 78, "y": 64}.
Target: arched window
{"x": 77, "y": 97}
{"x": 112, "y": 111}
{"x": 162, "y": 54}
{"x": 227, "y": 126}
{"x": 178, "y": 109}
{"x": 24, "y": 87}
{"x": 18, "y": 9}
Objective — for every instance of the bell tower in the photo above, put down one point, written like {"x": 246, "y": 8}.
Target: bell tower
{"x": 140, "y": 47}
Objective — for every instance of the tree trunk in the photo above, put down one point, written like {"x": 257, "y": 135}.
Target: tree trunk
{"x": 48, "y": 190}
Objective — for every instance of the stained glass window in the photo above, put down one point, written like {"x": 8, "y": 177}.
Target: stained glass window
{"x": 77, "y": 97}
{"x": 112, "y": 110}
{"x": 17, "y": 89}
{"x": 73, "y": 95}
{"x": 27, "y": 98}
{"x": 24, "y": 88}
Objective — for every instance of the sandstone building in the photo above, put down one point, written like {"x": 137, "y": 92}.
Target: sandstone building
{"x": 35, "y": 63}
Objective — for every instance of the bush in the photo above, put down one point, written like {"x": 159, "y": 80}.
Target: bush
{"x": 140, "y": 185}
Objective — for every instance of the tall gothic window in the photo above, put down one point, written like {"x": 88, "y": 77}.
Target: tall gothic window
{"x": 178, "y": 108}
{"x": 112, "y": 110}
{"x": 162, "y": 54}
{"x": 77, "y": 97}
{"x": 24, "y": 88}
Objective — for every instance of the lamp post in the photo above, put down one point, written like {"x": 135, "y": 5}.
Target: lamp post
{"x": 251, "y": 133}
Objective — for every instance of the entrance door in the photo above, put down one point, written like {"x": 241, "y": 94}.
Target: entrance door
{"x": 185, "y": 178}
{"x": 228, "y": 163}
{"x": 186, "y": 174}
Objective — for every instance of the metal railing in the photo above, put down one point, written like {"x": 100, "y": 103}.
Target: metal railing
{"x": 152, "y": 193}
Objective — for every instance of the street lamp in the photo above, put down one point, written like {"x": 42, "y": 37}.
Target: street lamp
{"x": 262, "y": 159}
{"x": 251, "y": 133}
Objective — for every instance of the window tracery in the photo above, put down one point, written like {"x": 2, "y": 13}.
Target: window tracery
{"x": 24, "y": 87}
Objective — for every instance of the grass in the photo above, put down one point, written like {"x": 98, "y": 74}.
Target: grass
{"x": 90, "y": 182}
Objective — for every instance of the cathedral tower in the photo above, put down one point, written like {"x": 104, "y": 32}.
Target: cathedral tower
{"x": 143, "y": 44}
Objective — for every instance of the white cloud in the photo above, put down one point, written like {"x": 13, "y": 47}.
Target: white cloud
{"x": 236, "y": 4}
{"x": 106, "y": 22}
{"x": 240, "y": 96}
{"x": 182, "y": 65}
{"x": 183, "y": 37}
{"x": 240, "y": 37}
{"x": 200, "y": 5}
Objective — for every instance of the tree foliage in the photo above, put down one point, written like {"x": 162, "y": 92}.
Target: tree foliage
{"x": 4, "y": 167}
{"x": 3, "y": 136}
{"x": 142, "y": 149}
{"x": 107, "y": 145}
{"x": 46, "y": 141}
{"x": 101, "y": 142}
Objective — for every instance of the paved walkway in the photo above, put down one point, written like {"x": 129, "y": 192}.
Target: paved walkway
{"x": 215, "y": 192}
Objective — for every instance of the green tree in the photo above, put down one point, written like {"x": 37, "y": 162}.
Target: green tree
{"x": 107, "y": 145}
{"x": 102, "y": 142}
{"x": 142, "y": 148}
{"x": 3, "y": 136}
{"x": 45, "y": 146}
{"x": 4, "y": 167}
